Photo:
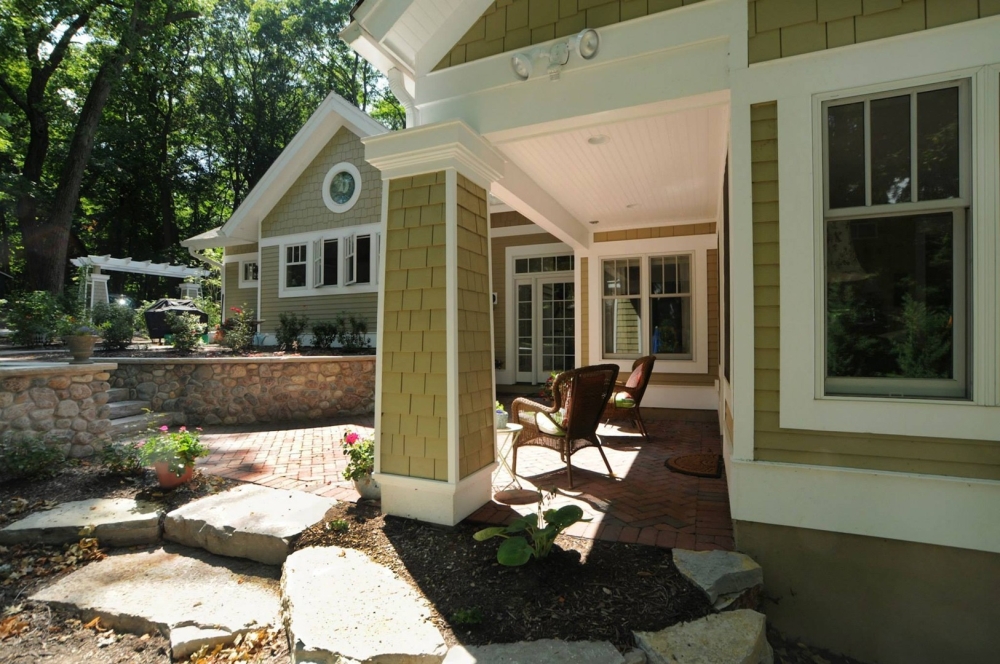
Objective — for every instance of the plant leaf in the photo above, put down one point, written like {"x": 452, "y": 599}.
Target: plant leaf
{"x": 487, "y": 533}
{"x": 565, "y": 516}
{"x": 514, "y": 552}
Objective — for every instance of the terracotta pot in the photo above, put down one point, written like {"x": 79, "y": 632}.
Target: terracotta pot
{"x": 167, "y": 479}
{"x": 368, "y": 488}
{"x": 81, "y": 346}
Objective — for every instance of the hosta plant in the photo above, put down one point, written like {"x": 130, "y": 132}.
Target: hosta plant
{"x": 531, "y": 536}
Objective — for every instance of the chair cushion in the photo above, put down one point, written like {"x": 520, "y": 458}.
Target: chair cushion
{"x": 623, "y": 400}
{"x": 550, "y": 424}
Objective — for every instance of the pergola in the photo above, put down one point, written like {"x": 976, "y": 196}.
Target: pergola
{"x": 97, "y": 283}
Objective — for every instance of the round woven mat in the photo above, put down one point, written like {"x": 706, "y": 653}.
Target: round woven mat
{"x": 698, "y": 465}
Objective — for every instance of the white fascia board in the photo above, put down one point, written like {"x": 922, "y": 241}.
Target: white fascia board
{"x": 448, "y": 34}
{"x": 370, "y": 49}
{"x": 379, "y": 16}
{"x": 524, "y": 195}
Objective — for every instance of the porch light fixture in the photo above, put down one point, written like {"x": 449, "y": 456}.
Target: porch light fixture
{"x": 521, "y": 64}
{"x": 599, "y": 139}
{"x": 585, "y": 43}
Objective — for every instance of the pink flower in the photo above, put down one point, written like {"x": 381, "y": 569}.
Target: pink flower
{"x": 351, "y": 438}
{"x": 183, "y": 429}
{"x": 198, "y": 429}
{"x": 164, "y": 428}
{"x": 236, "y": 309}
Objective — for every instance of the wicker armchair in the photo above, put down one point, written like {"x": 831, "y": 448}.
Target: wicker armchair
{"x": 624, "y": 403}
{"x": 571, "y": 423}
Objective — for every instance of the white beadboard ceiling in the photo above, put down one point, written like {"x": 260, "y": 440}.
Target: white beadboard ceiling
{"x": 668, "y": 167}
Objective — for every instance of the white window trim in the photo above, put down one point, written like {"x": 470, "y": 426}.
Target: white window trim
{"x": 803, "y": 404}
{"x": 332, "y": 205}
{"x": 283, "y": 273}
{"x": 697, "y": 246}
{"x": 247, "y": 283}
{"x": 310, "y": 240}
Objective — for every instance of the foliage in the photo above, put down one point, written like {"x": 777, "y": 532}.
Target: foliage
{"x": 29, "y": 458}
{"x": 186, "y": 331}
{"x": 238, "y": 330}
{"x": 290, "y": 329}
{"x": 467, "y": 617}
{"x": 923, "y": 346}
{"x": 179, "y": 448}
{"x": 352, "y": 332}
{"x": 360, "y": 453}
{"x": 547, "y": 388}
{"x": 117, "y": 324}
{"x": 69, "y": 326}
{"x": 532, "y": 535}
{"x": 122, "y": 458}
{"x": 34, "y": 317}
{"x": 338, "y": 526}
{"x": 324, "y": 334}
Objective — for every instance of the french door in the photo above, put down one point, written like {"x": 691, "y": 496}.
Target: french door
{"x": 545, "y": 308}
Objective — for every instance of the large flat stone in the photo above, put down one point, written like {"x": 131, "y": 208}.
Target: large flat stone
{"x": 735, "y": 637}
{"x": 190, "y": 596}
{"x": 544, "y": 651}
{"x": 250, "y": 521}
{"x": 113, "y": 521}
{"x": 718, "y": 573}
{"x": 338, "y": 605}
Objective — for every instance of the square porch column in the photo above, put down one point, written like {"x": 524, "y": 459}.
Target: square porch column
{"x": 435, "y": 387}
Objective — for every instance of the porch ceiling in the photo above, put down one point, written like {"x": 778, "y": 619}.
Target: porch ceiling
{"x": 660, "y": 169}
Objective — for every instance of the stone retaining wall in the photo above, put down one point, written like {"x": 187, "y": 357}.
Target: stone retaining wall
{"x": 248, "y": 390}
{"x": 60, "y": 403}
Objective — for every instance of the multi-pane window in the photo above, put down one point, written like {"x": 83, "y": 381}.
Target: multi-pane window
{"x": 249, "y": 271}
{"x": 543, "y": 264}
{"x": 670, "y": 306}
{"x": 896, "y": 204}
{"x": 358, "y": 259}
{"x": 622, "y": 311}
{"x": 295, "y": 266}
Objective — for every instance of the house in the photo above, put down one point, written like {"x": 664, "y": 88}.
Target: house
{"x": 794, "y": 204}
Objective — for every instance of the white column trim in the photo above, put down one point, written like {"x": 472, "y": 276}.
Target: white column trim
{"x": 380, "y": 353}
{"x": 451, "y": 318}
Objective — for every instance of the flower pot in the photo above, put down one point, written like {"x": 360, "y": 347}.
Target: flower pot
{"x": 501, "y": 420}
{"x": 368, "y": 488}
{"x": 167, "y": 479}
{"x": 81, "y": 346}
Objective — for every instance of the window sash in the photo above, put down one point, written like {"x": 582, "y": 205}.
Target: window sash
{"x": 350, "y": 263}
{"x": 253, "y": 276}
{"x": 295, "y": 255}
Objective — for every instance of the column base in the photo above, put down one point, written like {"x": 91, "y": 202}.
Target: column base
{"x": 435, "y": 502}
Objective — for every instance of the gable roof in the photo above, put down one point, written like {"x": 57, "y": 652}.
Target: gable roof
{"x": 242, "y": 228}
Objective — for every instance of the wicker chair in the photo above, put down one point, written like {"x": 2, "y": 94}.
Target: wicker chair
{"x": 624, "y": 403}
{"x": 571, "y": 423}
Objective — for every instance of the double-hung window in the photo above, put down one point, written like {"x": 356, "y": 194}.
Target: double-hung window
{"x": 295, "y": 266}
{"x": 896, "y": 204}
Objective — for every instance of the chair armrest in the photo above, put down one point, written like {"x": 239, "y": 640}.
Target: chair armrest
{"x": 528, "y": 405}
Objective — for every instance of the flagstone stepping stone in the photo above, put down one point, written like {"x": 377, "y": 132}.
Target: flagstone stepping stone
{"x": 191, "y": 597}
{"x": 250, "y": 521}
{"x": 338, "y": 605}
{"x": 722, "y": 575}
{"x": 544, "y": 651}
{"x": 113, "y": 521}
{"x": 734, "y": 637}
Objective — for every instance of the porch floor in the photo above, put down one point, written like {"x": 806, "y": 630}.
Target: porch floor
{"x": 646, "y": 503}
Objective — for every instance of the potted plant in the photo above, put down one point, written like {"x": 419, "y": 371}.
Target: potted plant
{"x": 360, "y": 452}
{"x": 80, "y": 339}
{"x": 501, "y": 416}
{"x": 172, "y": 455}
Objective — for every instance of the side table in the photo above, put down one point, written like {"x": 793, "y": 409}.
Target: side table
{"x": 512, "y": 493}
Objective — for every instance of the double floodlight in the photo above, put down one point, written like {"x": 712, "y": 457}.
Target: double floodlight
{"x": 586, "y": 44}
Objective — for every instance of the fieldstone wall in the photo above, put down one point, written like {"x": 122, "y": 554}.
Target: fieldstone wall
{"x": 65, "y": 405}
{"x": 248, "y": 390}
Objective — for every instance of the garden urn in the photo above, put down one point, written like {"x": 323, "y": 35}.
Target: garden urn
{"x": 368, "y": 488}
{"x": 81, "y": 346}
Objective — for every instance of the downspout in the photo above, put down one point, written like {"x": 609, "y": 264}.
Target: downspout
{"x": 398, "y": 86}
{"x": 205, "y": 259}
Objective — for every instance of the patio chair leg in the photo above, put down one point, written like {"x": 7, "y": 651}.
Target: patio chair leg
{"x": 611, "y": 473}
{"x": 513, "y": 467}
{"x": 641, "y": 425}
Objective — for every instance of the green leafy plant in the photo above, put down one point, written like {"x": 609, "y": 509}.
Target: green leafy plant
{"x": 178, "y": 449}
{"x": 186, "y": 331}
{"x": 467, "y": 617}
{"x": 290, "y": 329}
{"x": 531, "y": 536}
{"x": 549, "y": 383}
{"x": 29, "y": 458}
{"x": 123, "y": 458}
{"x": 360, "y": 453}
{"x": 338, "y": 526}
{"x": 324, "y": 334}
{"x": 239, "y": 330}
{"x": 34, "y": 318}
{"x": 352, "y": 333}
{"x": 117, "y": 324}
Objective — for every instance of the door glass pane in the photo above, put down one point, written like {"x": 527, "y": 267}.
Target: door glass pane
{"x": 890, "y": 297}
{"x": 937, "y": 145}
{"x": 890, "y": 126}
{"x": 671, "y": 325}
{"x": 846, "y": 148}
{"x": 557, "y": 327}
{"x": 525, "y": 358}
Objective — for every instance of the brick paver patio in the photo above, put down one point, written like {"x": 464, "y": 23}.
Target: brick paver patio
{"x": 645, "y": 503}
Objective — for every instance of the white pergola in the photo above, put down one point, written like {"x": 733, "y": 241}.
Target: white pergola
{"x": 97, "y": 283}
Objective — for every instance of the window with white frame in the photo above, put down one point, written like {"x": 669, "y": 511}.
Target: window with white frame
{"x": 295, "y": 265}
{"x": 358, "y": 259}
{"x": 896, "y": 203}
{"x": 326, "y": 262}
{"x": 248, "y": 273}
{"x": 660, "y": 285}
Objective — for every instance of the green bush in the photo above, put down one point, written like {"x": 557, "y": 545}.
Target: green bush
{"x": 186, "y": 330}
{"x": 117, "y": 324}
{"x": 290, "y": 328}
{"x": 34, "y": 318}
{"x": 324, "y": 334}
{"x": 238, "y": 330}
{"x": 122, "y": 458}
{"x": 352, "y": 333}
{"x": 29, "y": 458}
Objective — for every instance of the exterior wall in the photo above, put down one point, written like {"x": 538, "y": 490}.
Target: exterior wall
{"x": 302, "y": 209}
{"x": 316, "y": 307}
{"x": 879, "y": 600}
{"x": 655, "y": 232}
{"x": 248, "y": 390}
{"x": 414, "y": 417}
{"x": 931, "y": 456}
{"x": 475, "y": 353}
{"x": 241, "y": 249}
{"x": 583, "y": 301}
{"x": 783, "y": 28}
{"x": 236, "y": 296}
{"x": 508, "y": 219}
{"x": 513, "y": 24}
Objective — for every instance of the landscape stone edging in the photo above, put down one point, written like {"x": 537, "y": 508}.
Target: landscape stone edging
{"x": 247, "y": 390}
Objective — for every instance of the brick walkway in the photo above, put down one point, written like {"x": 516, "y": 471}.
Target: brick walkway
{"x": 647, "y": 503}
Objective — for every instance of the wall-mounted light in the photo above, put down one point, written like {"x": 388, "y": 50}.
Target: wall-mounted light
{"x": 521, "y": 64}
{"x": 584, "y": 43}
{"x": 587, "y": 43}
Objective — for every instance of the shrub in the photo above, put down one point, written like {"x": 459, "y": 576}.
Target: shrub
{"x": 360, "y": 453}
{"x": 352, "y": 334}
{"x": 178, "y": 449}
{"x": 238, "y": 330}
{"x": 117, "y": 324}
{"x": 34, "y": 318}
{"x": 122, "y": 458}
{"x": 186, "y": 330}
{"x": 29, "y": 458}
{"x": 290, "y": 328}
{"x": 324, "y": 334}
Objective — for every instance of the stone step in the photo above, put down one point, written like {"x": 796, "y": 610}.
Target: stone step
{"x": 733, "y": 637}
{"x": 544, "y": 651}
{"x": 123, "y": 409}
{"x": 114, "y": 522}
{"x": 116, "y": 394}
{"x": 136, "y": 425}
{"x": 250, "y": 521}
{"x": 190, "y": 596}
